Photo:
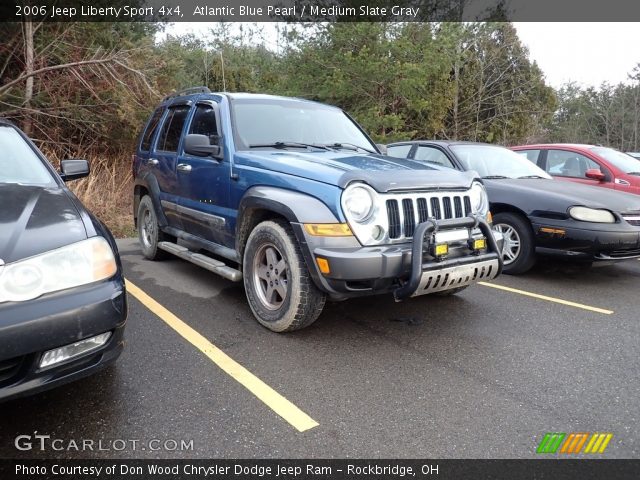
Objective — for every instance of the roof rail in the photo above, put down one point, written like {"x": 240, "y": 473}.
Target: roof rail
{"x": 187, "y": 91}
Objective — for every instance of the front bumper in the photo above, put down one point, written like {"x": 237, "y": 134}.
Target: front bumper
{"x": 28, "y": 329}
{"x": 593, "y": 244}
{"x": 357, "y": 271}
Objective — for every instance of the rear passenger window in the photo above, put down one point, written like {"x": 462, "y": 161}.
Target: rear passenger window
{"x": 204, "y": 123}
{"x": 172, "y": 129}
{"x": 399, "y": 151}
{"x": 152, "y": 126}
{"x": 531, "y": 155}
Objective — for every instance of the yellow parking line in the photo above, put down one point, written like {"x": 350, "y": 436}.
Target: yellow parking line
{"x": 276, "y": 402}
{"x": 548, "y": 299}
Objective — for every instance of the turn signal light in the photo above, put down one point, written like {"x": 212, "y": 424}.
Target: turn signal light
{"x": 328, "y": 229}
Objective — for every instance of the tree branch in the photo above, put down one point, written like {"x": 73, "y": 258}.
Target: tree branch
{"x": 100, "y": 61}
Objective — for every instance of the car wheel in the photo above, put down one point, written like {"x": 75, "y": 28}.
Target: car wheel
{"x": 280, "y": 291}
{"x": 518, "y": 251}
{"x": 149, "y": 233}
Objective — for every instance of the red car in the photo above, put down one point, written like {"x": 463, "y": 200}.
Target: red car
{"x": 588, "y": 164}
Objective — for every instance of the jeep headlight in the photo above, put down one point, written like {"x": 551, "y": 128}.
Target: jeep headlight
{"x": 66, "y": 267}
{"x": 479, "y": 200}
{"x": 596, "y": 215}
{"x": 357, "y": 202}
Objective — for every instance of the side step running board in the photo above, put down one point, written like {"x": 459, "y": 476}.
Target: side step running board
{"x": 203, "y": 261}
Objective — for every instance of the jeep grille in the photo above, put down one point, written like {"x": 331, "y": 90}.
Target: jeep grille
{"x": 405, "y": 212}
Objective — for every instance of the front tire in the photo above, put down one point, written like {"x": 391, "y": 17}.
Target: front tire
{"x": 518, "y": 252}
{"x": 280, "y": 291}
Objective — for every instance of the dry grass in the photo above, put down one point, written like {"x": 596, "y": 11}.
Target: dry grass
{"x": 107, "y": 192}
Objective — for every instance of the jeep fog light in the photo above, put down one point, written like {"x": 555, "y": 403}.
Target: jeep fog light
{"x": 440, "y": 250}
{"x": 479, "y": 244}
{"x": 58, "y": 355}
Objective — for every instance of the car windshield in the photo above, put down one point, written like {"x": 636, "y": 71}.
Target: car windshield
{"x": 274, "y": 123}
{"x": 18, "y": 162}
{"x": 497, "y": 162}
{"x": 620, "y": 160}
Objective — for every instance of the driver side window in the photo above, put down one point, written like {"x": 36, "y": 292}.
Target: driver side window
{"x": 204, "y": 123}
{"x": 432, "y": 155}
{"x": 563, "y": 163}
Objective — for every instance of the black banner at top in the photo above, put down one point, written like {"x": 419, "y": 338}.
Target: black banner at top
{"x": 318, "y": 10}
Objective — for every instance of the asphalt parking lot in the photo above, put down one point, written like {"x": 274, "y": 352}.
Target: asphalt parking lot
{"x": 484, "y": 374}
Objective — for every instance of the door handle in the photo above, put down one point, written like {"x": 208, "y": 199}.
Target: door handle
{"x": 152, "y": 161}
{"x": 184, "y": 167}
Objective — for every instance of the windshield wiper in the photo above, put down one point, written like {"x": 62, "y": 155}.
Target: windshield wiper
{"x": 289, "y": 145}
{"x": 494, "y": 177}
{"x": 349, "y": 146}
{"x": 531, "y": 176}
{"x": 633, "y": 173}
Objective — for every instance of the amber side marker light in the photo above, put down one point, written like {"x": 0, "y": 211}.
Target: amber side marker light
{"x": 552, "y": 231}
{"x": 323, "y": 265}
{"x": 328, "y": 229}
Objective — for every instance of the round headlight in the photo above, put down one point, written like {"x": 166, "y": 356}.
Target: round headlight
{"x": 357, "y": 202}
{"x": 585, "y": 214}
{"x": 478, "y": 196}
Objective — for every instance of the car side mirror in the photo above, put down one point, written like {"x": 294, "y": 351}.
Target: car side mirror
{"x": 200, "y": 146}
{"x": 382, "y": 148}
{"x": 595, "y": 174}
{"x": 73, "y": 169}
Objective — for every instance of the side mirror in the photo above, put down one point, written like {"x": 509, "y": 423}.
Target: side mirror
{"x": 595, "y": 174}
{"x": 73, "y": 169}
{"x": 200, "y": 146}
{"x": 382, "y": 148}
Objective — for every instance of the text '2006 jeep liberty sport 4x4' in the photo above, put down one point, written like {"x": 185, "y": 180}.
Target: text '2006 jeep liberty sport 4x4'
{"x": 293, "y": 197}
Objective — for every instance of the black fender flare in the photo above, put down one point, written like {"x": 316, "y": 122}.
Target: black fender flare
{"x": 296, "y": 207}
{"x": 150, "y": 183}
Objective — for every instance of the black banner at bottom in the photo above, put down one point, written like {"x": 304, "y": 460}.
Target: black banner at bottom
{"x": 319, "y": 469}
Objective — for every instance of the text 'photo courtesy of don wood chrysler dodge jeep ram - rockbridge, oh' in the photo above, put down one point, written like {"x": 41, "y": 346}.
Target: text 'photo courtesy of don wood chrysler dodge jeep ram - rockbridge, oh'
{"x": 293, "y": 198}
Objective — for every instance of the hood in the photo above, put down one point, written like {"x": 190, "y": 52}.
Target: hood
{"x": 36, "y": 219}
{"x": 383, "y": 173}
{"x": 555, "y": 195}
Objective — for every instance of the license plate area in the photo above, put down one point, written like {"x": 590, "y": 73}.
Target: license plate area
{"x": 451, "y": 236}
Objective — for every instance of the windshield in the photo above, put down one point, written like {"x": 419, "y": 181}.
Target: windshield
{"x": 263, "y": 123}
{"x": 18, "y": 162}
{"x": 492, "y": 161}
{"x": 620, "y": 160}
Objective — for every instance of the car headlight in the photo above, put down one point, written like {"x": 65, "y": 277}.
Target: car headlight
{"x": 357, "y": 202}
{"x": 479, "y": 200}
{"x": 596, "y": 215}
{"x": 66, "y": 267}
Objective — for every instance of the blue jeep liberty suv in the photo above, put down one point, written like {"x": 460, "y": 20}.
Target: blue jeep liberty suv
{"x": 293, "y": 198}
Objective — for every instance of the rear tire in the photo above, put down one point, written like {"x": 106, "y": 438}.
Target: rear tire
{"x": 280, "y": 291}
{"x": 518, "y": 252}
{"x": 149, "y": 233}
